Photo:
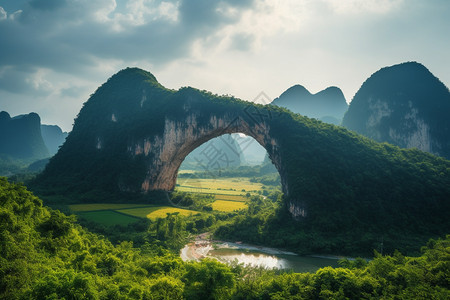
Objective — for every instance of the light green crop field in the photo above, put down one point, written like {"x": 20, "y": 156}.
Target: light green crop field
{"x": 162, "y": 212}
{"x": 103, "y": 206}
{"x": 229, "y": 196}
{"x": 187, "y": 171}
{"x": 205, "y": 191}
{"x": 238, "y": 198}
{"x": 226, "y": 186}
{"x": 156, "y": 212}
{"x": 228, "y": 206}
{"x": 108, "y": 217}
{"x": 140, "y": 212}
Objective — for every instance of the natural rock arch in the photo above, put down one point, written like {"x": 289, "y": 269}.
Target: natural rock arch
{"x": 132, "y": 135}
{"x": 183, "y": 136}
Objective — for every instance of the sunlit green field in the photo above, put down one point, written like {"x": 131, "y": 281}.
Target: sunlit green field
{"x": 238, "y": 198}
{"x": 108, "y": 217}
{"x": 162, "y": 212}
{"x": 230, "y": 195}
{"x": 103, "y": 206}
{"x": 113, "y": 214}
{"x": 228, "y": 206}
{"x": 226, "y": 186}
{"x": 155, "y": 212}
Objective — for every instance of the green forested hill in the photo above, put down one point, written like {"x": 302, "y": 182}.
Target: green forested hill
{"x": 45, "y": 255}
{"x": 336, "y": 183}
{"x": 405, "y": 105}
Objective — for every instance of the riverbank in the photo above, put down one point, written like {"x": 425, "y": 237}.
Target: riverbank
{"x": 254, "y": 256}
{"x": 202, "y": 245}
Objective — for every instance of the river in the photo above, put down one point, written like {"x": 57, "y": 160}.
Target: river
{"x": 255, "y": 256}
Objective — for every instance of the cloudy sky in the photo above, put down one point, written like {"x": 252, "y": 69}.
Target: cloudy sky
{"x": 55, "y": 53}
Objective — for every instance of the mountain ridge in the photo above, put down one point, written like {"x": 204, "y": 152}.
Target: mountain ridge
{"x": 328, "y": 105}
{"x": 21, "y": 136}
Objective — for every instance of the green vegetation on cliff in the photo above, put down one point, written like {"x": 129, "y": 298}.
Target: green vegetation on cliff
{"x": 405, "y": 105}
{"x": 335, "y": 182}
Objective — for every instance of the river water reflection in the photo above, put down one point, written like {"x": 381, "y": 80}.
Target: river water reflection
{"x": 255, "y": 256}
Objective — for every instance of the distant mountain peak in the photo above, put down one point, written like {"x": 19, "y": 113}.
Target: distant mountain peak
{"x": 403, "y": 104}
{"x": 53, "y": 137}
{"x": 332, "y": 90}
{"x": 20, "y": 136}
{"x": 4, "y": 115}
{"x": 134, "y": 72}
{"x": 328, "y": 105}
{"x": 296, "y": 91}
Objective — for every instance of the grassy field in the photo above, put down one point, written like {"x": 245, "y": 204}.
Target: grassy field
{"x": 238, "y": 198}
{"x": 230, "y": 195}
{"x": 140, "y": 212}
{"x": 155, "y": 212}
{"x": 162, "y": 213}
{"x": 187, "y": 171}
{"x": 226, "y": 186}
{"x": 112, "y": 213}
{"x": 228, "y": 206}
{"x": 103, "y": 206}
{"x": 108, "y": 217}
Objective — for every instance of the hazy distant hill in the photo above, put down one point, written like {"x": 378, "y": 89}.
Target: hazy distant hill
{"x": 53, "y": 137}
{"x": 405, "y": 105}
{"x": 328, "y": 105}
{"x": 253, "y": 153}
{"x": 20, "y": 137}
{"x": 218, "y": 153}
{"x": 25, "y": 144}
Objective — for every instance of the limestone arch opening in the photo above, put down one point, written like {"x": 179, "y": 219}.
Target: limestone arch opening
{"x": 230, "y": 169}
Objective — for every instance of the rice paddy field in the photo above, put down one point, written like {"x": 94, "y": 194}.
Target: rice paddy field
{"x": 230, "y": 195}
{"x": 157, "y": 212}
{"x": 225, "y": 186}
{"x": 238, "y": 198}
{"x": 108, "y": 217}
{"x": 103, "y": 206}
{"x": 110, "y": 214}
{"x": 228, "y": 206}
{"x": 162, "y": 212}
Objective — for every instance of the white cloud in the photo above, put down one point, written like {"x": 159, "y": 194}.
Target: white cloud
{"x": 227, "y": 46}
{"x": 38, "y": 82}
{"x": 3, "y": 14}
{"x": 15, "y": 15}
{"x": 346, "y": 7}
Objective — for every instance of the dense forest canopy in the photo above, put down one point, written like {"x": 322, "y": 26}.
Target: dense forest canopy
{"x": 405, "y": 105}
{"x": 44, "y": 254}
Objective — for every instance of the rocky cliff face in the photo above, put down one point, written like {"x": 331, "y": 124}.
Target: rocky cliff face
{"x": 167, "y": 151}
{"x": 404, "y": 105}
{"x": 20, "y": 137}
{"x": 328, "y": 105}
